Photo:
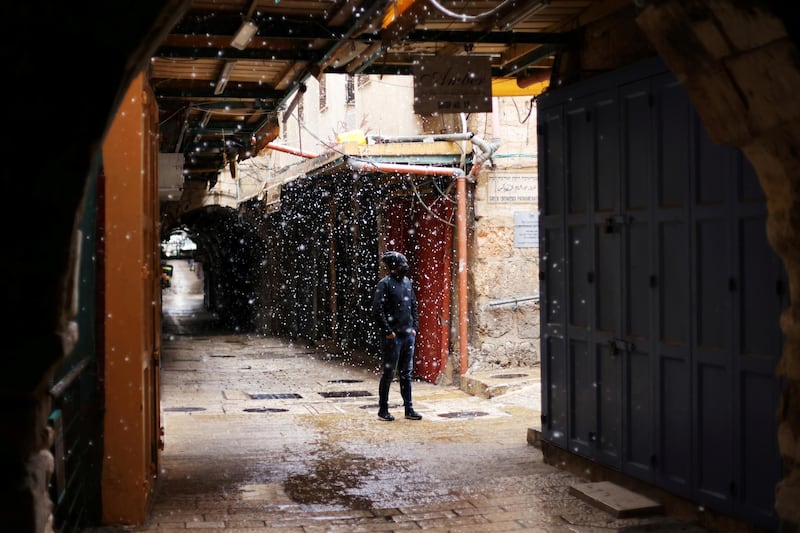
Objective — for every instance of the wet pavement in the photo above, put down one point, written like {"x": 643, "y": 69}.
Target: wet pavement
{"x": 266, "y": 434}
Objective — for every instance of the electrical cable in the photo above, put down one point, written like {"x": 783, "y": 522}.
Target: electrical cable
{"x": 467, "y": 18}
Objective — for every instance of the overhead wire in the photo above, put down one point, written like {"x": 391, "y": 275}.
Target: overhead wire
{"x": 468, "y": 18}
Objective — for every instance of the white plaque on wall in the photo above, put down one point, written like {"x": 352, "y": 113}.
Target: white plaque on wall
{"x": 512, "y": 188}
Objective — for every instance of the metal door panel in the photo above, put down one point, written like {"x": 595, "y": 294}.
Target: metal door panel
{"x": 673, "y": 285}
{"x": 672, "y": 333}
{"x": 713, "y": 380}
{"x": 637, "y": 119}
{"x": 551, "y": 171}
{"x": 552, "y": 270}
{"x": 638, "y": 423}
{"x": 755, "y": 486}
{"x": 553, "y": 331}
{"x": 607, "y": 277}
{"x": 761, "y": 298}
{"x": 713, "y": 177}
{"x": 583, "y": 400}
{"x": 638, "y": 272}
{"x": 673, "y": 162}
{"x": 637, "y": 148}
{"x": 712, "y": 293}
{"x": 580, "y": 268}
{"x": 673, "y": 342}
{"x": 580, "y": 158}
{"x": 714, "y": 468}
{"x": 605, "y": 271}
{"x": 609, "y": 423}
{"x": 674, "y": 458}
{"x": 607, "y": 169}
{"x": 552, "y": 274}
{"x": 554, "y": 395}
{"x": 758, "y": 305}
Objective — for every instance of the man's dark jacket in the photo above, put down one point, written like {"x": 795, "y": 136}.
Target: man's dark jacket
{"x": 395, "y": 305}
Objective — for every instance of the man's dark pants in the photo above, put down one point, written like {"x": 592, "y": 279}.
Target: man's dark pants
{"x": 398, "y": 353}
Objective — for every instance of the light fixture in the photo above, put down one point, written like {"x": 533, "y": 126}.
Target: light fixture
{"x": 224, "y": 77}
{"x": 206, "y": 118}
{"x": 244, "y": 34}
{"x": 516, "y": 18}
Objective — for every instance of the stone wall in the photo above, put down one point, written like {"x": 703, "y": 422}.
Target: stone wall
{"x": 504, "y": 270}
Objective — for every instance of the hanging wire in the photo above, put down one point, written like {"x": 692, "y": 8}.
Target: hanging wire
{"x": 530, "y": 110}
{"x": 470, "y": 18}
{"x": 425, "y": 206}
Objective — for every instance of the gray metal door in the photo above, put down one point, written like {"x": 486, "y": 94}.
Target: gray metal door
{"x": 660, "y": 295}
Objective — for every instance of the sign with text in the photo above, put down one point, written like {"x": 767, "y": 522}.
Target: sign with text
{"x": 507, "y": 188}
{"x": 526, "y": 229}
{"x": 455, "y": 84}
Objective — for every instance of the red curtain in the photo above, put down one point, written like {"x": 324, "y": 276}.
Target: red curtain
{"x": 424, "y": 234}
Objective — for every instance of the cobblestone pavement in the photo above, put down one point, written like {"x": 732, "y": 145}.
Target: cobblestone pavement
{"x": 263, "y": 434}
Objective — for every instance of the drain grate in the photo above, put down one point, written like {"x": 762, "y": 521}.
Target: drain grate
{"x": 375, "y": 406}
{"x": 264, "y": 410}
{"x": 463, "y": 414}
{"x": 184, "y": 409}
{"x": 510, "y": 376}
{"x": 275, "y": 396}
{"x": 345, "y": 381}
{"x": 345, "y": 394}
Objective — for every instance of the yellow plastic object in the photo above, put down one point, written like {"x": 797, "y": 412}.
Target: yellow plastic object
{"x": 355, "y": 136}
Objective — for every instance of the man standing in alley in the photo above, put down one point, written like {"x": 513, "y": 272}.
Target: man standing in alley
{"x": 395, "y": 310}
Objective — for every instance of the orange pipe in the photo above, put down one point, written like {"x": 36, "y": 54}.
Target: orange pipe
{"x": 461, "y": 228}
{"x": 293, "y": 151}
{"x": 424, "y": 170}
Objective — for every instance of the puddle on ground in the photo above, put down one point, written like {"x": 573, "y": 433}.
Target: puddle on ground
{"x": 333, "y": 476}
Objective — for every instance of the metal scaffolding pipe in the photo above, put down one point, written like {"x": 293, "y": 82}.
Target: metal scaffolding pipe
{"x": 378, "y": 139}
{"x": 399, "y": 168}
{"x": 288, "y": 150}
{"x": 514, "y": 301}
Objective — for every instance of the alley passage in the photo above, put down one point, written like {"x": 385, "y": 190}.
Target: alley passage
{"x": 262, "y": 434}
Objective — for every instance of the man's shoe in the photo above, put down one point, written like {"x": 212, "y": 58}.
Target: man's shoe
{"x": 387, "y": 416}
{"x": 413, "y": 415}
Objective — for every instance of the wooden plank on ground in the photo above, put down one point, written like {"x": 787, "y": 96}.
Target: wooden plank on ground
{"x": 619, "y": 501}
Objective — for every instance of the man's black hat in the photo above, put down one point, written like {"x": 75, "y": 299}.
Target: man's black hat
{"x": 395, "y": 261}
